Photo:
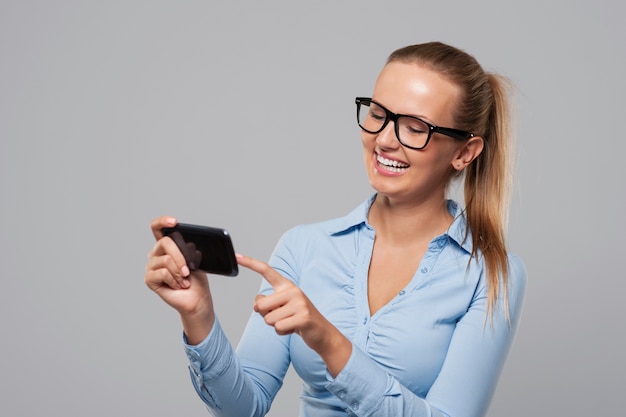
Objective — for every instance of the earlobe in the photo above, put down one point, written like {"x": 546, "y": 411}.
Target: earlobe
{"x": 470, "y": 151}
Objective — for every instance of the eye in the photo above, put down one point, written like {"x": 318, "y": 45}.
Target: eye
{"x": 413, "y": 126}
{"x": 377, "y": 114}
{"x": 415, "y": 130}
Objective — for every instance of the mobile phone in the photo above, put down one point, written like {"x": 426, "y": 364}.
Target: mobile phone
{"x": 214, "y": 245}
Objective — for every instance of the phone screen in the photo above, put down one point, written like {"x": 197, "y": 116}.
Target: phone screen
{"x": 215, "y": 245}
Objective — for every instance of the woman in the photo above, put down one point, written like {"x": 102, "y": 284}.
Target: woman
{"x": 405, "y": 307}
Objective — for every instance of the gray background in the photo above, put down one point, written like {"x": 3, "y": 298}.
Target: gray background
{"x": 242, "y": 116}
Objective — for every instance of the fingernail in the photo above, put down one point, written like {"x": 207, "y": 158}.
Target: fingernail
{"x": 186, "y": 283}
{"x": 184, "y": 271}
{"x": 171, "y": 221}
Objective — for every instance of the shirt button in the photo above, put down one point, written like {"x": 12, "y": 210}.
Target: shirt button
{"x": 365, "y": 320}
{"x": 424, "y": 270}
{"x": 402, "y": 292}
{"x": 341, "y": 394}
{"x": 355, "y": 405}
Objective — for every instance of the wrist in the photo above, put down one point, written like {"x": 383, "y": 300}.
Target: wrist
{"x": 336, "y": 352}
{"x": 197, "y": 325}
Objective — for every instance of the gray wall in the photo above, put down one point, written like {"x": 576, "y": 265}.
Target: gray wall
{"x": 242, "y": 116}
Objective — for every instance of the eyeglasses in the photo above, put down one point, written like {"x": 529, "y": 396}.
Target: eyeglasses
{"x": 411, "y": 131}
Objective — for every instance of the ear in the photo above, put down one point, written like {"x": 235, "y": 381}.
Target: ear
{"x": 468, "y": 152}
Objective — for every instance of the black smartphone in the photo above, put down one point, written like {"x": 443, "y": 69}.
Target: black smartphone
{"x": 214, "y": 244}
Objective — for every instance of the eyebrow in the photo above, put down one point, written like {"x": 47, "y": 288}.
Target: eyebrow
{"x": 424, "y": 118}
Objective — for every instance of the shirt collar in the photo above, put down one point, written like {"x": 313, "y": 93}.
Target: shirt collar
{"x": 458, "y": 230}
{"x": 358, "y": 217}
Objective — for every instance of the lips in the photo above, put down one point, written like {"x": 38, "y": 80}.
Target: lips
{"x": 390, "y": 164}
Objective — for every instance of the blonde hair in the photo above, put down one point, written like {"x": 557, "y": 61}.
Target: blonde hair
{"x": 484, "y": 110}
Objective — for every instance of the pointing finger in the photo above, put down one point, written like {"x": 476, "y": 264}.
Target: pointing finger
{"x": 277, "y": 281}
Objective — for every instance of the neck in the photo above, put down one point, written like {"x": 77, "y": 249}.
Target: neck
{"x": 406, "y": 223}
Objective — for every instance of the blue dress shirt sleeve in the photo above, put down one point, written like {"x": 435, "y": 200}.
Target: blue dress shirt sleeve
{"x": 244, "y": 382}
{"x": 222, "y": 383}
{"x": 469, "y": 374}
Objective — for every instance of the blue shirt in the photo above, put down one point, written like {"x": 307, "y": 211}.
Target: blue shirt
{"x": 431, "y": 351}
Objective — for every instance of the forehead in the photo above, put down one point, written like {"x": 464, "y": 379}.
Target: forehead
{"x": 410, "y": 88}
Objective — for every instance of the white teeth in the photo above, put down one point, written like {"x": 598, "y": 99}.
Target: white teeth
{"x": 392, "y": 165}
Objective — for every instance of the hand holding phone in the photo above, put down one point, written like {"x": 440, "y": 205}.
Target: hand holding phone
{"x": 209, "y": 249}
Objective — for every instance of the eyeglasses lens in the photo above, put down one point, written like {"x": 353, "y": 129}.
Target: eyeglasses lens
{"x": 411, "y": 131}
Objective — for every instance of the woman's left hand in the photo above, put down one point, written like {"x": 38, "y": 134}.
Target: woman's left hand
{"x": 289, "y": 311}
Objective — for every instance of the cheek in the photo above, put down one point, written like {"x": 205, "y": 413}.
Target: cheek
{"x": 436, "y": 160}
{"x": 367, "y": 140}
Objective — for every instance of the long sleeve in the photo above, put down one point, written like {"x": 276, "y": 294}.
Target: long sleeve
{"x": 467, "y": 379}
{"x": 224, "y": 385}
{"x": 241, "y": 382}
{"x": 431, "y": 351}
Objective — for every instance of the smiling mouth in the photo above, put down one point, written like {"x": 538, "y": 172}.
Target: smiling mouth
{"x": 390, "y": 165}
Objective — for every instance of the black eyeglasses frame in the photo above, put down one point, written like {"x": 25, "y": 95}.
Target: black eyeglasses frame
{"x": 447, "y": 131}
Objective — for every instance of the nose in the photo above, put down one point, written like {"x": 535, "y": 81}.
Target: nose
{"x": 387, "y": 137}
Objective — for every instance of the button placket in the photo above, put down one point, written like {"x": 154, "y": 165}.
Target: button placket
{"x": 361, "y": 335}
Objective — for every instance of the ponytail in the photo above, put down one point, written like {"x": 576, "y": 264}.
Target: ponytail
{"x": 487, "y": 194}
{"x": 483, "y": 109}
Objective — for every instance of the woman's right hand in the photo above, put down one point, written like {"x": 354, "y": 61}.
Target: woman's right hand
{"x": 167, "y": 275}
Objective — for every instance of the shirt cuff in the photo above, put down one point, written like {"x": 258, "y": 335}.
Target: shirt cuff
{"x": 361, "y": 384}
{"x": 211, "y": 357}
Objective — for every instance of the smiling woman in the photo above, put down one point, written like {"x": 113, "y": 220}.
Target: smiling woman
{"x": 406, "y": 306}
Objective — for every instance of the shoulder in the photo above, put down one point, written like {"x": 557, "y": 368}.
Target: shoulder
{"x": 307, "y": 244}
{"x": 517, "y": 272}
{"x": 512, "y": 286}
{"x": 516, "y": 285}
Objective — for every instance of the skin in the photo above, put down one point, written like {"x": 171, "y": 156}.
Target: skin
{"x": 410, "y": 209}
{"x": 408, "y": 212}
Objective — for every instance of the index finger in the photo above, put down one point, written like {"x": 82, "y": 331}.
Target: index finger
{"x": 168, "y": 248}
{"x": 277, "y": 281}
{"x": 159, "y": 223}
